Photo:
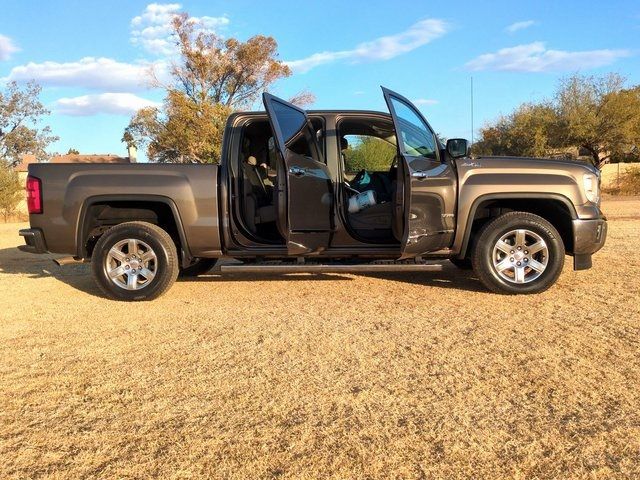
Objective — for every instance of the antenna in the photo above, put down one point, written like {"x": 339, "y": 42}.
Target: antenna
{"x": 471, "y": 110}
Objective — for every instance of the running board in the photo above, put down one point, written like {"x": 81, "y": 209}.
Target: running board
{"x": 62, "y": 261}
{"x": 314, "y": 268}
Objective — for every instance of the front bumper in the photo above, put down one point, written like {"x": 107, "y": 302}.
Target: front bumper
{"x": 588, "y": 237}
{"x": 34, "y": 241}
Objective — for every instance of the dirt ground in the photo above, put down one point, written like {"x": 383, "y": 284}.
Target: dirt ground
{"x": 343, "y": 376}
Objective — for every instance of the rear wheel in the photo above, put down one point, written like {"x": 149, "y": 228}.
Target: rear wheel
{"x": 199, "y": 267}
{"x": 134, "y": 261}
{"x": 518, "y": 252}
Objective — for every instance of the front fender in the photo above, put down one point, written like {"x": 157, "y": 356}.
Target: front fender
{"x": 489, "y": 178}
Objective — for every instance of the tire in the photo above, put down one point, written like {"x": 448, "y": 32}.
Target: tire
{"x": 502, "y": 267}
{"x": 155, "y": 258}
{"x": 198, "y": 267}
{"x": 462, "y": 263}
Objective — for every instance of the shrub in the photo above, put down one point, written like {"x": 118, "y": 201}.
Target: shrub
{"x": 629, "y": 183}
{"x": 11, "y": 190}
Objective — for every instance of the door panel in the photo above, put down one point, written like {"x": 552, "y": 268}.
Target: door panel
{"x": 304, "y": 192}
{"x": 427, "y": 202}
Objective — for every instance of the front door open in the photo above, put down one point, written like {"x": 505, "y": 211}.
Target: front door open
{"x": 304, "y": 192}
{"x": 425, "y": 198}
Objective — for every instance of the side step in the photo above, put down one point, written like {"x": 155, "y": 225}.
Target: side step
{"x": 329, "y": 268}
{"x": 62, "y": 261}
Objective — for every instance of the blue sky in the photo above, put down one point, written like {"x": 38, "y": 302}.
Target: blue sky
{"x": 91, "y": 57}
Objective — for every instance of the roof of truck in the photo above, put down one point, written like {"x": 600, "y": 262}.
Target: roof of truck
{"x": 322, "y": 112}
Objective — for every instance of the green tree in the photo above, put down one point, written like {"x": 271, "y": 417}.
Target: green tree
{"x": 210, "y": 79}
{"x": 11, "y": 190}
{"x": 73, "y": 151}
{"x": 598, "y": 115}
{"x": 184, "y": 131}
{"x": 369, "y": 153}
{"x": 593, "y": 114}
{"x": 528, "y": 131}
{"x": 20, "y": 114}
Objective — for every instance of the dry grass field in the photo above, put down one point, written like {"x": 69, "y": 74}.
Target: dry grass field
{"x": 342, "y": 376}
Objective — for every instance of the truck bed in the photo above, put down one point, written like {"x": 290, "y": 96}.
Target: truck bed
{"x": 69, "y": 191}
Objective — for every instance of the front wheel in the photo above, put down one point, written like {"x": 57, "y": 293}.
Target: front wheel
{"x": 135, "y": 261}
{"x": 518, "y": 252}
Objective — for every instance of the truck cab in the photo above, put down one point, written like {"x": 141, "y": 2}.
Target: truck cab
{"x": 290, "y": 176}
{"x": 321, "y": 191}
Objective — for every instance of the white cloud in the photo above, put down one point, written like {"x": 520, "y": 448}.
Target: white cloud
{"x": 7, "y": 48}
{"x": 111, "y": 103}
{"x": 514, "y": 27}
{"x": 383, "y": 48}
{"x": 425, "y": 101}
{"x": 152, "y": 30}
{"x": 93, "y": 73}
{"x": 535, "y": 57}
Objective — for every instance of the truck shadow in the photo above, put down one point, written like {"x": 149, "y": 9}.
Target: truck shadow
{"x": 449, "y": 277}
{"x": 16, "y": 262}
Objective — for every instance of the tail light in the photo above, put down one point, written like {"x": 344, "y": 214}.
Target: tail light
{"x": 34, "y": 195}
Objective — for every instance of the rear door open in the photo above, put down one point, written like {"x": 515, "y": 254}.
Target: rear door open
{"x": 304, "y": 191}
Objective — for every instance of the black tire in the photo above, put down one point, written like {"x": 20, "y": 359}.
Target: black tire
{"x": 483, "y": 254}
{"x": 462, "y": 263}
{"x": 165, "y": 264}
{"x": 199, "y": 267}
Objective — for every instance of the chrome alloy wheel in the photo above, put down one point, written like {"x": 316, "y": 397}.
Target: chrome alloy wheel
{"x": 520, "y": 256}
{"x": 131, "y": 264}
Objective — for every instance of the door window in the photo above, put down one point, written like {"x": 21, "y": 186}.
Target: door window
{"x": 365, "y": 152}
{"x": 416, "y": 138}
{"x": 298, "y": 134}
{"x": 291, "y": 121}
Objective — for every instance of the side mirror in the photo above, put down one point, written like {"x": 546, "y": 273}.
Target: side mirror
{"x": 458, "y": 147}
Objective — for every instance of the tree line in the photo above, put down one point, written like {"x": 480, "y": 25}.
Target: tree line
{"x": 210, "y": 77}
{"x": 598, "y": 117}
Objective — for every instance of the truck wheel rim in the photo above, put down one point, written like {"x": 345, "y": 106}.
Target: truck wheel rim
{"x": 131, "y": 264}
{"x": 520, "y": 256}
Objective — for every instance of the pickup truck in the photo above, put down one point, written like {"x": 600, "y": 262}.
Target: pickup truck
{"x": 320, "y": 191}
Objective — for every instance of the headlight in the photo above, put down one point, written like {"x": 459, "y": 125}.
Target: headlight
{"x": 591, "y": 187}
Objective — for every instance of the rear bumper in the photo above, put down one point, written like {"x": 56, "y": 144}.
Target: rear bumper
{"x": 588, "y": 237}
{"x": 34, "y": 241}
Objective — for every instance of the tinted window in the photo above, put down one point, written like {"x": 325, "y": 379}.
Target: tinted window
{"x": 416, "y": 138}
{"x": 291, "y": 121}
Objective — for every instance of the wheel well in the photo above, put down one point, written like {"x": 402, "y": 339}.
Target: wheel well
{"x": 552, "y": 210}
{"x": 101, "y": 216}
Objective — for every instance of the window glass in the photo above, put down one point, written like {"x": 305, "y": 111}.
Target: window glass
{"x": 290, "y": 120}
{"x": 299, "y": 136}
{"x": 417, "y": 139}
{"x": 365, "y": 152}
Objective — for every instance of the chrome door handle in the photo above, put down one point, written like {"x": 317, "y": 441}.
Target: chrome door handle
{"x": 420, "y": 174}
{"x": 297, "y": 171}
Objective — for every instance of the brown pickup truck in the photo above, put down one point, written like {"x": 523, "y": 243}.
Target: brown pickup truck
{"x": 320, "y": 191}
